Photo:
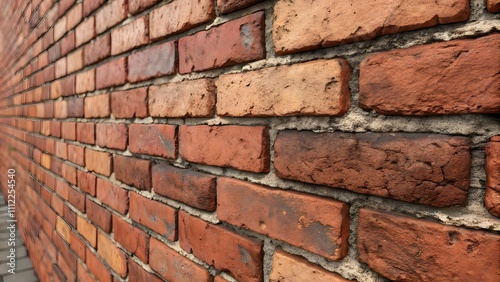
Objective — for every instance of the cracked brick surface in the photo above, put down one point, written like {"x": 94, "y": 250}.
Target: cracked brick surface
{"x": 422, "y": 168}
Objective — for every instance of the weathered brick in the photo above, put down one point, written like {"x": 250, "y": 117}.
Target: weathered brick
{"x": 85, "y": 81}
{"x": 308, "y": 222}
{"x": 85, "y": 31}
{"x": 97, "y": 267}
{"x": 67, "y": 43}
{"x": 85, "y": 132}
{"x": 75, "y": 107}
{"x": 77, "y": 199}
{"x": 135, "y": 6}
{"x": 428, "y": 169}
{"x": 153, "y": 139}
{"x": 240, "y": 255}
{"x": 90, "y": 5}
{"x": 97, "y": 106}
{"x": 173, "y": 266}
{"x": 74, "y": 16}
{"x": 97, "y": 50}
{"x": 313, "y": 88}
{"x": 154, "y": 215}
{"x": 153, "y": 62}
{"x": 228, "y": 6}
{"x": 193, "y": 98}
{"x": 60, "y": 68}
{"x": 87, "y": 230}
{"x": 77, "y": 245}
{"x": 112, "y": 195}
{"x": 138, "y": 273}
{"x": 99, "y": 162}
{"x": 429, "y": 79}
{"x": 406, "y": 249}
{"x": 111, "y": 135}
{"x": 68, "y": 130}
{"x": 240, "y": 147}
{"x": 131, "y": 238}
{"x": 68, "y": 86}
{"x": 115, "y": 257}
{"x": 193, "y": 188}
{"x": 59, "y": 28}
{"x": 99, "y": 215}
{"x": 243, "y": 42}
{"x": 132, "y": 171}
{"x": 340, "y": 22}
{"x": 493, "y": 6}
{"x": 117, "y": 67}
{"x": 492, "y": 197}
{"x": 176, "y": 17}
{"x": 76, "y": 154}
{"x": 287, "y": 267}
{"x": 69, "y": 173}
{"x": 110, "y": 14}
{"x": 75, "y": 61}
{"x": 129, "y": 36}
{"x": 86, "y": 182}
{"x": 130, "y": 103}
{"x": 63, "y": 229}
{"x": 55, "y": 90}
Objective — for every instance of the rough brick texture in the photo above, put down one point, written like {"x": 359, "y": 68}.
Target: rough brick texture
{"x": 240, "y": 147}
{"x": 406, "y": 249}
{"x": 132, "y": 171}
{"x": 153, "y": 62}
{"x": 243, "y": 41}
{"x": 313, "y": 88}
{"x": 129, "y": 36}
{"x": 128, "y": 104}
{"x": 492, "y": 198}
{"x": 240, "y": 255}
{"x": 431, "y": 79}
{"x": 421, "y": 168}
{"x": 348, "y": 21}
{"x": 154, "y": 139}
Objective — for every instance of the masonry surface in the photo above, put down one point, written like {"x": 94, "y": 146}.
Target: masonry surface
{"x": 225, "y": 140}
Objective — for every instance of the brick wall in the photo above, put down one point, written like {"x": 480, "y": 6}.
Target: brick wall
{"x": 254, "y": 140}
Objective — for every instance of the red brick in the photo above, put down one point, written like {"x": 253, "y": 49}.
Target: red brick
{"x": 99, "y": 162}
{"x": 110, "y": 14}
{"x": 86, "y": 182}
{"x": 429, "y": 169}
{"x": 87, "y": 230}
{"x": 227, "y": 6}
{"x": 240, "y": 255}
{"x": 153, "y": 139}
{"x": 153, "y": 62}
{"x": 90, "y": 5}
{"x": 131, "y": 238}
{"x": 54, "y": 52}
{"x": 137, "y": 273}
{"x": 75, "y": 107}
{"x": 243, "y": 42}
{"x": 82, "y": 274}
{"x": 135, "y": 6}
{"x": 74, "y": 16}
{"x": 97, "y": 50}
{"x": 112, "y": 195}
{"x": 492, "y": 197}
{"x": 69, "y": 173}
{"x": 61, "y": 150}
{"x": 154, "y": 215}
{"x": 132, "y": 171}
{"x": 130, "y": 103}
{"x": 55, "y": 90}
{"x": 315, "y": 224}
{"x": 63, "y": 229}
{"x": 67, "y": 43}
{"x": 173, "y": 266}
{"x": 129, "y": 36}
{"x": 60, "y": 28}
{"x": 68, "y": 130}
{"x": 115, "y": 257}
{"x": 111, "y": 135}
{"x": 403, "y": 248}
{"x": 99, "y": 215}
{"x": 97, "y": 106}
{"x": 76, "y": 198}
{"x": 288, "y": 267}
{"x": 85, "y": 132}
{"x": 188, "y": 14}
{"x": 295, "y": 30}
{"x": 68, "y": 86}
{"x": 85, "y": 31}
{"x": 192, "y": 98}
{"x": 240, "y": 147}
{"x": 313, "y": 88}
{"x": 97, "y": 267}
{"x": 429, "y": 79}
{"x": 60, "y": 68}
{"x": 117, "y": 67}
{"x": 493, "y": 6}
{"x": 76, "y": 154}
{"x": 75, "y": 61}
{"x": 64, "y": 6}
{"x": 193, "y": 188}
{"x": 77, "y": 245}
{"x": 85, "y": 81}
